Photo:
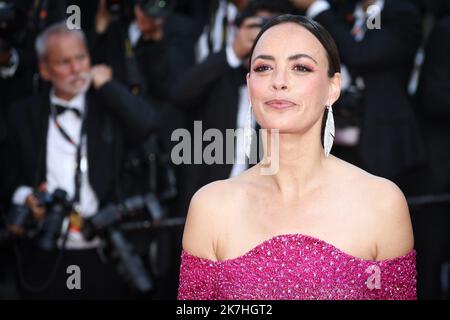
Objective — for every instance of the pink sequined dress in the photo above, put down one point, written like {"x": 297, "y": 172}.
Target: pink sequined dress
{"x": 297, "y": 266}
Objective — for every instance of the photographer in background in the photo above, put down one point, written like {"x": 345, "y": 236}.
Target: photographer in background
{"x": 147, "y": 46}
{"x": 72, "y": 138}
{"x": 20, "y": 22}
{"x": 379, "y": 62}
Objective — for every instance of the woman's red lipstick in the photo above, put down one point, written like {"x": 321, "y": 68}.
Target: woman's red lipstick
{"x": 279, "y": 103}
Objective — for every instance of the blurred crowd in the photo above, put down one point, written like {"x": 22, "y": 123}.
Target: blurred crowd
{"x": 87, "y": 116}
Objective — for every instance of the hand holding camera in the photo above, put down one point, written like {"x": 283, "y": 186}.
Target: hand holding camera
{"x": 49, "y": 209}
{"x": 35, "y": 205}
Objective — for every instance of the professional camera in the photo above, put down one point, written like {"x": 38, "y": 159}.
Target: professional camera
{"x": 253, "y": 8}
{"x": 132, "y": 228}
{"x": 57, "y": 207}
{"x": 106, "y": 223}
{"x": 129, "y": 263}
{"x": 120, "y": 9}
{"x": 157, "y": 8}
{"x": 148, "y": 170}
{"x": 112, "y": 215}
{"x": 118, "y": 224}
{"x": 114, "y": 7}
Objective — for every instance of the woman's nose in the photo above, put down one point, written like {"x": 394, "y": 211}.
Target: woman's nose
{"x": 279, "y": 81}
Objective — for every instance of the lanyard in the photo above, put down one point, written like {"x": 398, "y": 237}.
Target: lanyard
{"x": 81, "y": 161}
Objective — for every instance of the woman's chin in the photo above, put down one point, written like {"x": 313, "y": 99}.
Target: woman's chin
{"x": 282, "y": 129}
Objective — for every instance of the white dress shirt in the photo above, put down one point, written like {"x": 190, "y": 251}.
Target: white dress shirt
{"x": 61, "y": 166}
{"x": 229, "y": 11}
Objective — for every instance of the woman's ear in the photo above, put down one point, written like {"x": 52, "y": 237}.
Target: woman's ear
{"x": 335, "y": 88}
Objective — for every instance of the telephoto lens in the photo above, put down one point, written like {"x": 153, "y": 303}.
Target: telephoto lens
{"x": 57, "y": 208}
{"x": 130, "y": 264}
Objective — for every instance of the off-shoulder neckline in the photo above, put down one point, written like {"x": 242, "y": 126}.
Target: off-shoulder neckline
{"x": 300, "y": 235}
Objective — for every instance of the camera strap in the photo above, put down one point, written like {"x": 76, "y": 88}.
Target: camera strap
{"x": 81, "y": 159}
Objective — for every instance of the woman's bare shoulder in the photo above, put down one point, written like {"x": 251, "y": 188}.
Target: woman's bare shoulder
{"x": 394, "y": 231}
{"x": 209, "y": 210}
{"x": 384, "y": 207}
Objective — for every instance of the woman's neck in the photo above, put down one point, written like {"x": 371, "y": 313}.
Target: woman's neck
{"x": 300, "y": 159}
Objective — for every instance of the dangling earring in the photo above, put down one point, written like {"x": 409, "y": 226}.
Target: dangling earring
{"x": 248, "y": 132}
{"x": 329, "y": 133}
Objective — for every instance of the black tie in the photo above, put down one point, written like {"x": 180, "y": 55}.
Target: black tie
{"x": 61, "y": 109}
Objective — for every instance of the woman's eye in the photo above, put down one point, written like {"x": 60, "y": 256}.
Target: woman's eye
{"x": 302, "y": 68}
{"x": 261, "y": 68}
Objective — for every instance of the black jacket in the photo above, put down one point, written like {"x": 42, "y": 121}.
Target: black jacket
{"x": 114, "y": 117}
{"x": 159, "y": 63}
{"x": 152, "y": 66}
{"x": 390, "y": 141}
{"x": 434, "y": 106}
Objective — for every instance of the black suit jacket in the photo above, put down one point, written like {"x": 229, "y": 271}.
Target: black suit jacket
{"x": 114, "y": 117}
{"x": 159, "y": 63}
{"x": 434, "y": 106}
{"x": 390, "y": 141}
{"x": 154, "y": 65}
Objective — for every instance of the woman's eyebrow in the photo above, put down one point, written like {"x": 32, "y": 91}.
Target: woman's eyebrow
{"x": 293, "y": 57}
{"x": 264, "y": 57}
{"x": 302, "y": 55}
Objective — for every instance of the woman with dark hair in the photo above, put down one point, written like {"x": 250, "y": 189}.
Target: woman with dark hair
{"x": 318, "y": 227}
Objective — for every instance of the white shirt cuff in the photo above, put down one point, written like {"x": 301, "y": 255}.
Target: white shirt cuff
{"x": 9, "y": 71}
{"x": 317, "y": 8}
{"x": 232, "y": 58}
{"x": 21, "y": 194}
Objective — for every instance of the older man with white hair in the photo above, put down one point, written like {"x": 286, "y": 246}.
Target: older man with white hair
{"x": 72, "y": 138}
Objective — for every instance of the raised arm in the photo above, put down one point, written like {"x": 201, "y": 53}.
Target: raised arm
{"x": 138, "y": 115}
